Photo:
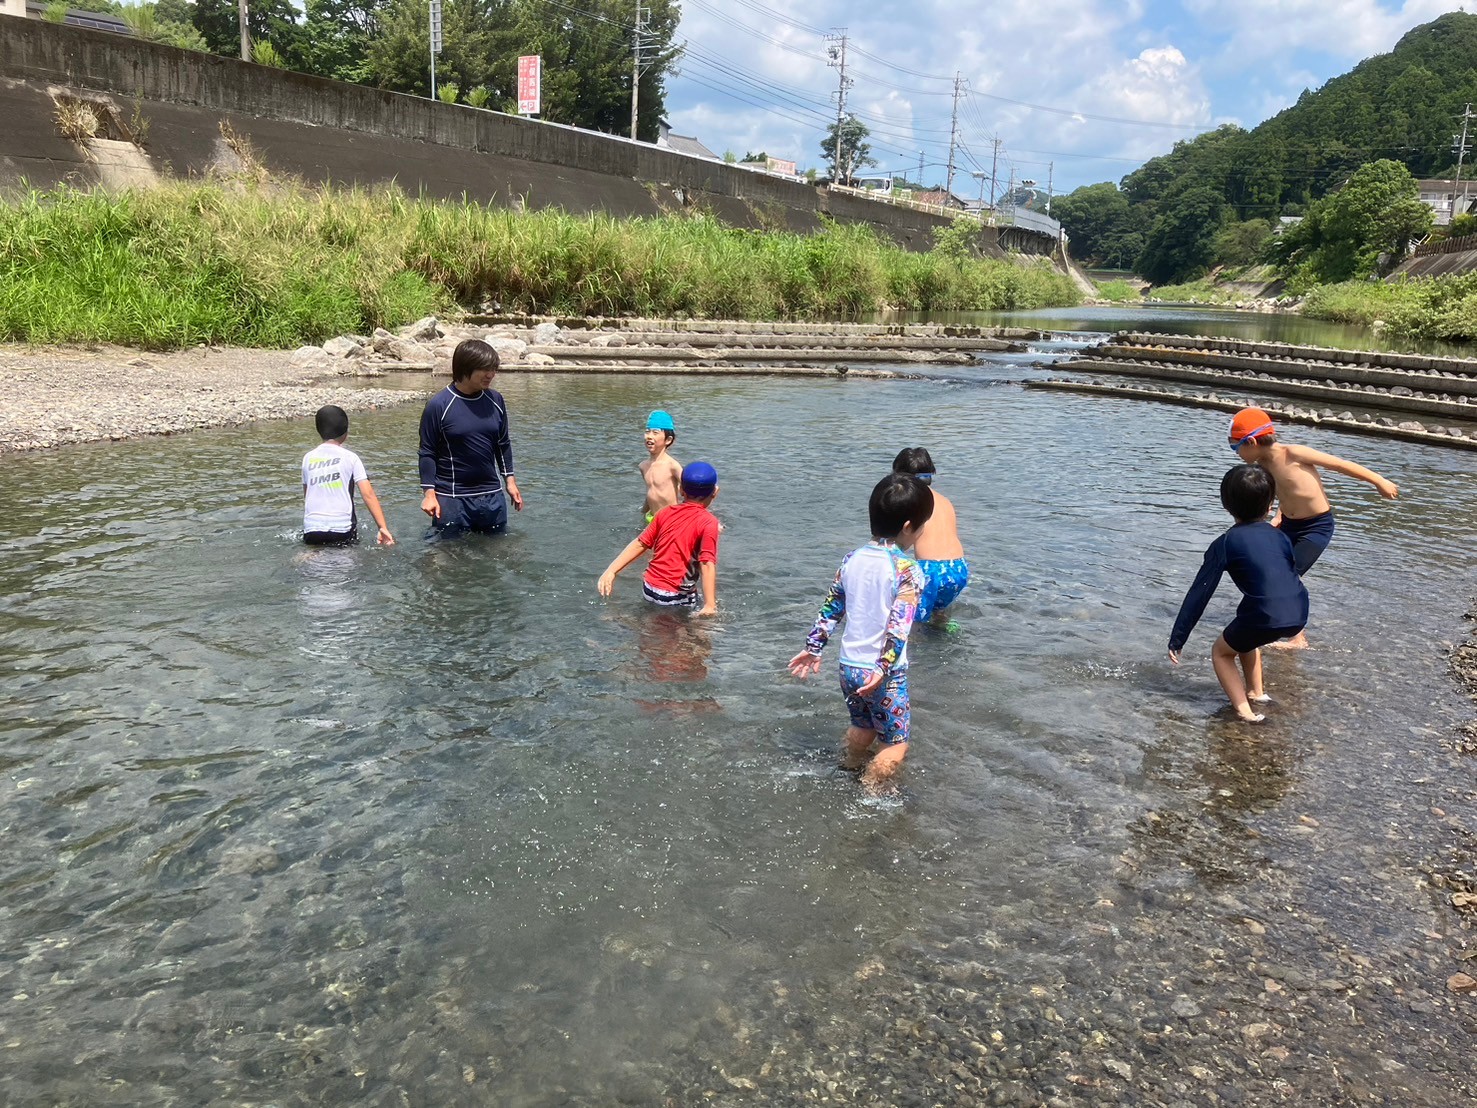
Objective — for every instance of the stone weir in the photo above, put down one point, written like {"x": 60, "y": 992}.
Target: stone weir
{"x": 1368, "y": 391}
{"x": 667, "y": 346}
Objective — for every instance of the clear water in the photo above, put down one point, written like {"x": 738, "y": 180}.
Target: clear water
{"x": 438, "y": 825}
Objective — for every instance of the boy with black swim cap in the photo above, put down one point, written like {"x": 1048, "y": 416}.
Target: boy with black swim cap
{"x": 331, "y": 475}
{"x": 683, "y": 540}
{"x": 1274, "y": 603}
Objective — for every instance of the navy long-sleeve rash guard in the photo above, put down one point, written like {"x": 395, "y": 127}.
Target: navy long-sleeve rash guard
{"x": 465, "y": 448}
{"x": 1259, "y": 559}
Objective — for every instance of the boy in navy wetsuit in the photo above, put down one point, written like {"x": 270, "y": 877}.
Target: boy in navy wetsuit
{"x": 466, "y": 456}
{"x": 1274, "y": 603}
{"x": 876, "y": 590}
{"x": 683, "y": 540}
{"x": 1303, "y": 511}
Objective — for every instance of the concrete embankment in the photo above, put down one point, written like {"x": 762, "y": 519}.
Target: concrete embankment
{"x": 1367, "y": 391}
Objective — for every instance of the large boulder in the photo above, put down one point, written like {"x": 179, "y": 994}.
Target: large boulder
{"x": 345, "y": 346}
{"x": 546, "y": 334}
{"x": 423, "y": 330}
{"x": 510, "y": 351}
{"x": 539, "y": 359}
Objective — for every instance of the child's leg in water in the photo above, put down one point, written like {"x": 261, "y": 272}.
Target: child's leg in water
{"x": 1224, "y": 659}
{"x": 1251, "y": 666}
{"x": 859, "y": 742}
{"x": 884, "y": 764}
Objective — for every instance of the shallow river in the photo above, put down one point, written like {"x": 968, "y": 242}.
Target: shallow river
{"x": 439, "y": 825}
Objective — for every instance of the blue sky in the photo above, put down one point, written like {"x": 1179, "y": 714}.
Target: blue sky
{"x": 1085, "y": 90}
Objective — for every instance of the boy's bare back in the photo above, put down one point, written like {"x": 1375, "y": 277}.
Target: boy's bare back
{"x": 938, "y": 541}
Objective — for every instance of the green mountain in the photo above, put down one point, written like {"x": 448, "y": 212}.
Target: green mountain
{"x": 1179, "y": 214}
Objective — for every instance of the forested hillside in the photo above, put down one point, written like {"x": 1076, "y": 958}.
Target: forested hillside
{"x": 1215, "y": 199}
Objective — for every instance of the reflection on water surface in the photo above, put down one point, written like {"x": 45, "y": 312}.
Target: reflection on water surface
{"x": 435, "y": 824}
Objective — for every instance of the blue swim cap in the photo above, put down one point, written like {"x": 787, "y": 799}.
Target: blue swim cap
{"x": 699, "y": 479}
{"x": 660, "y": 421}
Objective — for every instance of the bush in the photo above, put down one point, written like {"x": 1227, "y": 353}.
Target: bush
{"x": 259, "y": 264}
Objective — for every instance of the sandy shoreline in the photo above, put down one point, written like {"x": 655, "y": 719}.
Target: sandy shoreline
{"x": 58, "y": 395}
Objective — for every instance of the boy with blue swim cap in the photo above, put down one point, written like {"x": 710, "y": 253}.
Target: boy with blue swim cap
{"x": 683, "y": 540}
{"x": 663, "y": 473}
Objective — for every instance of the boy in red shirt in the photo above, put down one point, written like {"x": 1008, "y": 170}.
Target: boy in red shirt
{"x": 683, "y": 540}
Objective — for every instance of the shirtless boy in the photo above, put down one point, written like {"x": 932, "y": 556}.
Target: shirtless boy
{"x": 939, "y": 552}
{"x": 663, "y": 473}
{"x": 1303, "y": 512}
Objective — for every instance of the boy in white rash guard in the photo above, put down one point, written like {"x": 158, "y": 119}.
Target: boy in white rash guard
{"x": 331, "y": 474}
{"x": 876, "y": 590}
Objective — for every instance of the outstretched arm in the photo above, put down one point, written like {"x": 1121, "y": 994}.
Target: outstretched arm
{"x": 808, "y": 661}
{"x": 1388, "y": 489}
{"x": 633, "y": 550}
{"x": 1198, "y": 597}
{"x": 372, "y": 502}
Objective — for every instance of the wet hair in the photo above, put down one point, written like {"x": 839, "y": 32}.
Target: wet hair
{"x": 915, "y": 459}
{"x": 332, "y": 422}
{"x": 671, "y": 435}
{"x": 899, "y": 499}
{"x": 472, "y": 356}
{"x": 1246, "y": 492}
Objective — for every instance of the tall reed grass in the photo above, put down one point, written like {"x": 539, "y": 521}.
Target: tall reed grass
{"x": 258, "y": 263}
{"x": 1423, "y": 308}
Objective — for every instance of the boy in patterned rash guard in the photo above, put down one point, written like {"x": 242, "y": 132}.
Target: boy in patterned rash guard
{"x": 876, "y": 590}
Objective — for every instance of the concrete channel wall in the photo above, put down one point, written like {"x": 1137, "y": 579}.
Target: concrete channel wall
{"x": 169, "y": 112}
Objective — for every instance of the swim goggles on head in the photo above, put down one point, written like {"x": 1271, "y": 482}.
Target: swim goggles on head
{"x": 1237, "y": 444}
{"x": 926, "y": 478}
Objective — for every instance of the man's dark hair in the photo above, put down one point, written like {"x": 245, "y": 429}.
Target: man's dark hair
{"x": 671, "y": 437}
{"x": 899, "y": 499}
{"x": 1246, "y": 492}
{"x": 472, "y": 356}
{"x": 332, "y": 422}
{"x": 914, "y": 459}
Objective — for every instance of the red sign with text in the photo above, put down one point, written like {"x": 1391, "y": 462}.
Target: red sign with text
{"x": 530, "y": 77}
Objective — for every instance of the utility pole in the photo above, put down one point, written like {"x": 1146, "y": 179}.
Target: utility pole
{"x": 836, "y": 56}
{"x": 920, "y": 169}
{"x": 1460, "y": 145}
{"x": 435, "y": 17}
{"x": 981, "y": 178}
{"x": 1050, "y": 169}
{"x": 953, "y": 137}
{"x": 994, "y": 166}
{"x": 638, "y": 39}
{"x": 245, "y": 33}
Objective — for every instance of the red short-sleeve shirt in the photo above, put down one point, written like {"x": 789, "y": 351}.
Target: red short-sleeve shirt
{"x": 681, "y": 538}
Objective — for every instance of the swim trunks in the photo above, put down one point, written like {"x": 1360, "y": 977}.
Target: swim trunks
{"x": 1310, "y": 538}
{"x": 885, "y": 709}
{"x": 942, "y": 584}
{"x": 330, "y": 538}
{"x": 669, "y": 599}
{"x": 1244, "y": 636}
{"x": 487, "y": 514}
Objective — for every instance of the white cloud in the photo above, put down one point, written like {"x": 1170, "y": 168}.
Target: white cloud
{"x": 1259, "y": 30}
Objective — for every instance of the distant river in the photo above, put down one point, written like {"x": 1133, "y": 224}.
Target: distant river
{"x": 439, "y": 825}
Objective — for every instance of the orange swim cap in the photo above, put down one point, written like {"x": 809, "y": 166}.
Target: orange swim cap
{"x": 1250, "y": 423}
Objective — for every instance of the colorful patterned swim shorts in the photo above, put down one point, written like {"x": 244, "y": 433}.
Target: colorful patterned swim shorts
{"x": 884, "y": 709}
{"x": 942, "y": 584}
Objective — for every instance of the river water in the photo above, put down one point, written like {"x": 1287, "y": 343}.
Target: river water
{"x": 438, "y": 825}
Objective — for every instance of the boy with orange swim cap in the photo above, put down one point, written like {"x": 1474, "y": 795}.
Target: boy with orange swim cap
{"x": 1303, "y": 512}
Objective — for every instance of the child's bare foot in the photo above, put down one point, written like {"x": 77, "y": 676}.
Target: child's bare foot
{"x": 1297, "y": 642}
{"x": 851, "y": 762}
{"x": 1249, "y": 716}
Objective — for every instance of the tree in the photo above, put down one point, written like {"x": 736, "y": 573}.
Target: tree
{"x": 1180, "y": 246}
{"x": 477, "y": 39}
{"x": 274, "y": 21}
{"x": 855, "y": 152}
{"x": 1378, "y": 213}
{"x": 336, "y": 37}
{"x": 1104, "y": 227}
{"x": 1240, "y": 244}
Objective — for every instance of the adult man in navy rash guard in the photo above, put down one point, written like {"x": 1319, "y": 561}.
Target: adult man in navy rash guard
{"x": 466, "y": 456}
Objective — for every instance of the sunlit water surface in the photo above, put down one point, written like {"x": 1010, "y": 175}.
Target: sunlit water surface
{"x": 437, "y": 824}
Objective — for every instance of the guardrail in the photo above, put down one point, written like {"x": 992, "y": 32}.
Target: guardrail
{"x": 989, "y": 217}
{"x": 1446, "y": 246}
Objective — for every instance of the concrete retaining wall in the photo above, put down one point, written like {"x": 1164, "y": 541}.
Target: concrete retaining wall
{"x": 173, "y": 102}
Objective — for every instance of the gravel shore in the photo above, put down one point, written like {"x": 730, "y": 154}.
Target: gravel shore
{"x": 51, "y": 396}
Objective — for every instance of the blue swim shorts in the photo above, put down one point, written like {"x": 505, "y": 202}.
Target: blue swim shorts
{"x": 884, "y": 709}
{"x": 942, "y": 584}
{"x": 671, "y": 599}
{"x": 486, "y": 514}
{"x": 1310, "y": 538}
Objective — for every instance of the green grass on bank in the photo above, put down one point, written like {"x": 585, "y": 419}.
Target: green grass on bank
{"x": 1204, "y": 291}
{"x": 1118, "y": 291}
{"x": 1425, "y": 308}
{"x": 277, "y": 265}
